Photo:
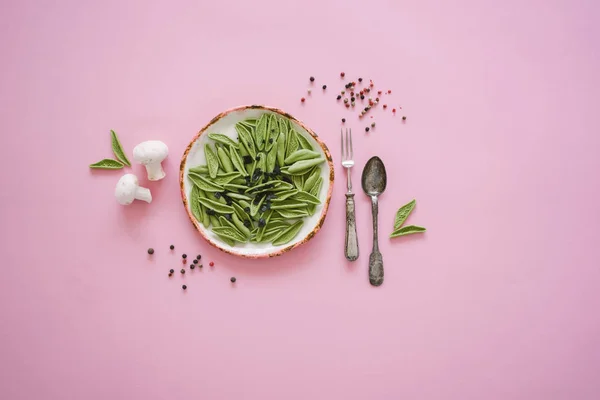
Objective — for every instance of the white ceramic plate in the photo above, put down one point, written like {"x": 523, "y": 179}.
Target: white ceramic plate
{"x": 225, "y": 123}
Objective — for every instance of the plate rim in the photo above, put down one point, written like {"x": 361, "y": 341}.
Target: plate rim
{"x": 324, "y": 211}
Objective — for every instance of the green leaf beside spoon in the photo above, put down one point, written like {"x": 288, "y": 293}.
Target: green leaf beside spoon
{"x": 401, "y": 216}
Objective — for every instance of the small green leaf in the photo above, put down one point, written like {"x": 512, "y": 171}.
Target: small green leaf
{"x": 292, "y": 143}
{"x": 316, "y": 189}
{"x": 261, "y": 131}
{"x": 223, "y": 139}
{"x": 211, "y": 160}
{"x": 204, "y": 183}
{"x": 229, "y": 233}
{"x": 288, "y": 234}
{"x": 237, "y": 161}
{"x": 303, "y": 142}
{"x": 403, "y": 213}
{"x": 305, "y": 197}
{"x": 107, "y": 163}
{"x": 194, "y": 204}
{"x": 300, "y": 167}
{"x": 216, "y": 206}
{"x": 118, "y": 149}
{"x": 224, "y": 159}
{"x": 407, "y": 230}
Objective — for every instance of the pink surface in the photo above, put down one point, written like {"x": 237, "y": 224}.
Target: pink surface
{"x": 497, "y": 301}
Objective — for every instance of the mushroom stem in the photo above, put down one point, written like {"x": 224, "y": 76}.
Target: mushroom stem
{"x": 155, "y": 171}
{"x": 143, "y": 194}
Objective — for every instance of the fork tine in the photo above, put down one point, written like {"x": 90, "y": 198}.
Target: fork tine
{"x": 342, "y": 135}
{"x": 348, "y": 157}
{"x": 351, "y": 148}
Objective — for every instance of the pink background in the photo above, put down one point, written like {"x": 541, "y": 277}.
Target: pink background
{"x": 498, "y": 300}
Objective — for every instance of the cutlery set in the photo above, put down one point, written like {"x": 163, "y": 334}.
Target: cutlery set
{"x": 373, "y": 182}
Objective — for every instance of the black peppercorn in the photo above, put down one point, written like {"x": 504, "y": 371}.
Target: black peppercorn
{"x": 196, "y": 261}
{"x": 362, "y": 97}
{"x": 150, "y": 251}
{"x": 171, "y": 271}
{"x": 360, "y": 79}
{"x": 182, "y": 271}
{"x": 271, "y": 140}
{"x": 233, "y": 279}
{"x": 198, "y": 257}
{"x": 172, "y": 247}
{"x": 184, "y": 256}
{"x": 170, "y": 274}
{"x": 312, "y": 78}
{"x": 324, "y": 87}
{"x": 352, "y": 99}
{"x": 339, "y": 96}
{"x": 184, "y": 287}
{"x": 343, "y": 120}
{"x": 192, "y": 266}
{"x": 403, "y": 118}
{"x": 367, "y": 129}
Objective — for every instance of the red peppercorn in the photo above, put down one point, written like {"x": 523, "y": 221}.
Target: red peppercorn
{"x": 342, "y": 74}
{"x": 347, "y": 105}
{"x": 379, "y": 92}
{"x": 183, "y": 260}
{"x": 389, "y": 92}
{"x": 394, "y": 110}
{"x": 212, "y": 264}
{"x": 385, "y": 106}
{"x": 302, "y": 99}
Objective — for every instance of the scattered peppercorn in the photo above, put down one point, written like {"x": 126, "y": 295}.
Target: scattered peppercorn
{"x": 212, "y": 264}
{"x": 195, "y": 261}
{"x": 352, "y": 99}
{"x": 182, "y": 271}
{"x": 385, "y": 106}
{"x": 342, "y": 74}
{"x": 339, "y": 96}
{"x": 151, "y": 251}
{"x": 198, "y": 257}
{"x": 184, "y": 287}
{"x": 184, "y": 256}
{"x": 233, "y": 279}
{"x": 184, "y": 261}
{"x": 353, "y": 103}
{"x": 343, "y": 120}
{"x": 377, "y": 99}
{"x": 372, "y": 124}
{"x": 367, "y": 129}
{"x": 360, "y": 79}
{"x": 404, "y": 118}
{"x": 172, "y": 247}
{"x": 192, "y": 266}
{"x": 379, "y": 92}
{"x": 171, "y": 271}
{"x": 393, "y": 110}
{"x": 324, "y": 87}
{"x": 347, "y": 105}
{"x": 170, "y": 274}
{"x": 345, "y": 101}
{"x": 312, "y": 78}
{"x": 362, "y": 97}
{"x": 302, "y": 100}
{"x": 389, "y": 92}
{"x": 200, "y": 266}
{"x": 309, "y": 91}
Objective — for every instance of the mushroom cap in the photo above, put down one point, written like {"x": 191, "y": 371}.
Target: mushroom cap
{"x": 150, "y": 152}
{"x": 126, "y": 187}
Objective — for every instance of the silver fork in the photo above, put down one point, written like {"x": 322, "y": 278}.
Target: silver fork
{"x": 351, "y": 243}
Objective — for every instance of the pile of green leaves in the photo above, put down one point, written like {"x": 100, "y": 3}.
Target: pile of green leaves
{"x": 121, "y": 157}
{"x": 259, "y": 187}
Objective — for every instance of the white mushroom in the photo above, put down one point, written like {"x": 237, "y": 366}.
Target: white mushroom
{"x": 128, "y": 190}
{"x": 150, "y": 154}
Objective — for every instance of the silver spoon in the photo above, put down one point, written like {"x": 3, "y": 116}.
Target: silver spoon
{"x": 374, "y": 180}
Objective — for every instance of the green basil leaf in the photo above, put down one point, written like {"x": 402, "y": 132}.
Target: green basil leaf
{"x": 403, "y": 213}
{"x": 107, "y": 163}
{"x": 407, "y": 230}
{"x": 118, "y": 149}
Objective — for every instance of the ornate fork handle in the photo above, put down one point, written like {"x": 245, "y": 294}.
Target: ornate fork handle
{"x": 351, "y": 244}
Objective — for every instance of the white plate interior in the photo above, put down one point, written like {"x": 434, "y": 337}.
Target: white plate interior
{"x": 226, "y": 126}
